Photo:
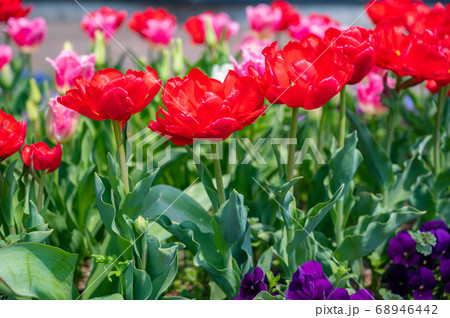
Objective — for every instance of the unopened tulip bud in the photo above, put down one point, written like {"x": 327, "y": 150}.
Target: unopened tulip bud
{"x": 100, "y": 49}
{"x": 61, "y": 122}
{"x": 68, "y": 46}
{"x": 177, "y": 56}
{"x": 35, "y": 92}
{"x": 7, "y": 76}
{"x": 33, "y": 114}
{"x": 210, "y": 35}
{"x": 141, "y": 225}
{"x": 165, "y": 65}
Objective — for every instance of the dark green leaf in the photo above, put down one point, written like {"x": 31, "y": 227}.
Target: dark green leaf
{"x": 374, "y": 155}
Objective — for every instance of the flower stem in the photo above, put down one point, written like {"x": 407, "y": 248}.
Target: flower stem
{"x": 41, "y": 192}
{"x": 443, "y": 91}
{"x": 144, "y": 253}
{"x": 342, "y": 109}
{"x": 12, "y": 228}
{"x": 218, "y": 175}
{"x": 293, "y": 146}
{"x": 339, "y": 222}
{"x": 122, "y": 158}
{"x": 392, "y": 118}
{"x": 322, "y": 126}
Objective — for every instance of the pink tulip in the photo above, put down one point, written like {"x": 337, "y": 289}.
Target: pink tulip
{"x": 196, "y": 26}
{"x": 5, "y": 55}
{"x": 61, "y": 122}
{"x": 69, "y": 65}
{"x": 220, "y": 21}
{"x": 27, "y": 34}
{"x": 105, "y": 19}
{"x": 264, "y": 20}
{"x": 369, "y": 92}
{"x": 315, "y": 23}
{"x": 251, "y": 49}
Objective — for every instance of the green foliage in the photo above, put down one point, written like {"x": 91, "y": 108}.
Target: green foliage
{"x": 36, "y": 271}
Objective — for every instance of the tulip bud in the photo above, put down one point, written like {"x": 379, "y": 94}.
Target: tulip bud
{"x": 61, "y": 122}
{"x": 141, "y": 225}
{"x": 164, "y": 71}
{"x": 33, "y": 114}
{"x": 35, "y": 92}
{"x": 100, "y": 50}
{"x": 68, "y": 46}
{"x": 177, "y": 56}
{"x": 210, "y": 34}
{"x": 7, "y": 76}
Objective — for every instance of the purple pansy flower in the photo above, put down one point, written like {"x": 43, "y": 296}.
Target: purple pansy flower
{"x": 362, "y": 294}
{"x": 445, "y": 274}
{"x": 442, "y": 242}
{"x": 342, "y": 294}
{"x": 422, "y": 283}
{"x": 440, "y": 230}
{"x": 428, "y": 262}
{"x": 309, "y": 284}
{"x": 252, "y": 284}
{"x": 339, "y": 294}
{"x": 402, "y": 249}
{"x": 314, "y": 269}
{"x": 397, "y": 277}
{"x": 431, "y": 226}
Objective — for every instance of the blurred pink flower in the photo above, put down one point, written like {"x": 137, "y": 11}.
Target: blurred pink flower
{"x": 69, "y": 65}
{"x": 5, "y": 55}
{"x": 369, "y": 92}
{"x": 264, "y": 20}
{"x": 315, "y": 23}
{"x": 105, "y": 19}
{"x": 61, "y": 122}
{"x": 251, "y": 49}
{"x": 196, "y": 26}
{"x": 27, "y": 34}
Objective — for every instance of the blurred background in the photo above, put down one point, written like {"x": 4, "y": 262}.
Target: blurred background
{"x": 64, "y": 16}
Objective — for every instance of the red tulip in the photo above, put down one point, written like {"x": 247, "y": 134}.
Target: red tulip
{"x": 435, "y": 19}
{"x": 420, "y": 56}
{"x": 358, "y": 45}
{"x": 198, "y": 107}
{"x": 304, "y": 74}
{"x": 40, "y": 157}
{"x": 288, "y": 14}
{"x": 12, "y": 135}
{"x": 112, "y": 95}
{"x": 433, "y": 87}
{"x": 13, "y": 9}
{"x": 157, "y": 26}
{"x": 379, "y": 11}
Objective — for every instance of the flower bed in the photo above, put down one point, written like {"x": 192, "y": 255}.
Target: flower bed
{"x": 314, "y": 168}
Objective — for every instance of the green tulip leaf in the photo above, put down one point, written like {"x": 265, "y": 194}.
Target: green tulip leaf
{"x": 37, "y": 271}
